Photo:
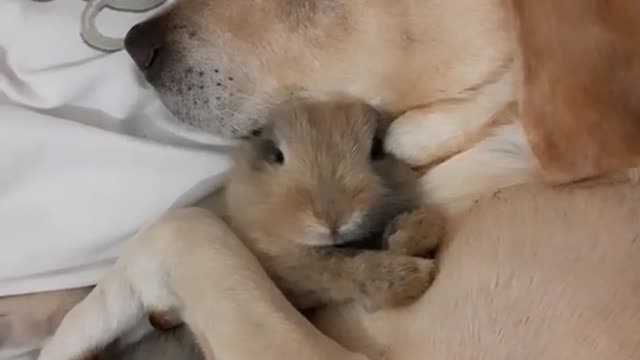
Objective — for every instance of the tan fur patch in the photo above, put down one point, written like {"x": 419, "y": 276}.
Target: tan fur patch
{"x": 581, "y": 85}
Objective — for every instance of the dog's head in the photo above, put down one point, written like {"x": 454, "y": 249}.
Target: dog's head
{"x": 218, "y": 63}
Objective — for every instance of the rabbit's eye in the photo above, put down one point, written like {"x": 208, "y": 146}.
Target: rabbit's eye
{"x": 272, "y": 154}
{"x": 256, "y": 132}
{"x": 377, "y": 149}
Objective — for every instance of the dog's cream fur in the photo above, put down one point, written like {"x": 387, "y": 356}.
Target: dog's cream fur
{"x": 507, "y": 289}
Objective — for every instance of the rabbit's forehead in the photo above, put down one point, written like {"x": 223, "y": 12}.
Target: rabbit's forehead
{"x": 334, "y": 127}
{"x": 324, "y": 140}
{"x": 319, "y": 121}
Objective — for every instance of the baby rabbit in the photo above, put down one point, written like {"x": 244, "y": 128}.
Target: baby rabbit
{"x": 314, "y": 186}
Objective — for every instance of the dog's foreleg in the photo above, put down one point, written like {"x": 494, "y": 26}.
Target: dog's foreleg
{"x": 424, "y": 135}
{"x": 132, "y": 289}
{"x": 109, "y": 311}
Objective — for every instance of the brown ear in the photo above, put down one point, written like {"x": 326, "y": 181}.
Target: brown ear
{"x": 381, "y": 118}
{"x": 580, "y": 99}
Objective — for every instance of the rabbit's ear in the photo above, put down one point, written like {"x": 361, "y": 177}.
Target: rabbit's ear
{"x": 382, "y": 120}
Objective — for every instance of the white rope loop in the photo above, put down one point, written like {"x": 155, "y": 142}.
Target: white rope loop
{"x": 89, "y": 31}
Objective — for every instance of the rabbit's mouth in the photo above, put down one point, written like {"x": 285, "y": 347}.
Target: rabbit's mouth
{"x": 371, "y": 241}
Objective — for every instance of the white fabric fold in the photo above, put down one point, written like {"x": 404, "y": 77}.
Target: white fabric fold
{"x": 88, "y": 154}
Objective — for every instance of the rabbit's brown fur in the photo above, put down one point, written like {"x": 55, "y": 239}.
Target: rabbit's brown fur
{"x": 314, "y": 179}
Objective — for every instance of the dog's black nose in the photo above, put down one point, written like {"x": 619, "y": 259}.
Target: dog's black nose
{"x": 143, "y": 43}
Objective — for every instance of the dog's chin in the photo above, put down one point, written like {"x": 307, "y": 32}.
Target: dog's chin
{"x": 201, "y": 97}
{"x": 197, "y": 112}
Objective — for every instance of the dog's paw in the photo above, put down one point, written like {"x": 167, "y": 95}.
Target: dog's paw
{"x": 422, "y": 137}
{"x": 165, "y": 319}
{"x": 415, "y": 233}
{"x": 400, "y": 282}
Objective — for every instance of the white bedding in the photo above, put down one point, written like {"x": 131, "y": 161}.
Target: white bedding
{"x": 87, "y": 155}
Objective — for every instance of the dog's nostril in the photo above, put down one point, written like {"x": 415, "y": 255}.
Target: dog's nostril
{"x": 154, "y": 55}
{"x": 143, "y": 43}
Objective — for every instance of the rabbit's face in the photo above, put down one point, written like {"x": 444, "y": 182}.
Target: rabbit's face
{"x": 318, "y": 175}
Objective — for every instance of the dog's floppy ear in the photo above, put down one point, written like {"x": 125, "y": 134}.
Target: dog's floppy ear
{"x": 580, "y": 97}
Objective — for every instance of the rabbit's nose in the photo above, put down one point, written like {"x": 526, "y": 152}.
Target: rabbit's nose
{"x": 339, "y": 237}
{"x": 334, "y": 232}
{"x": 369, "y": 242}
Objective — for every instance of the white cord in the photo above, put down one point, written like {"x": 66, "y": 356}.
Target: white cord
{"x": 89, "y": 31}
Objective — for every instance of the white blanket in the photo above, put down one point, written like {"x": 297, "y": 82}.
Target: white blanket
{"x": 87, "y": 154}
